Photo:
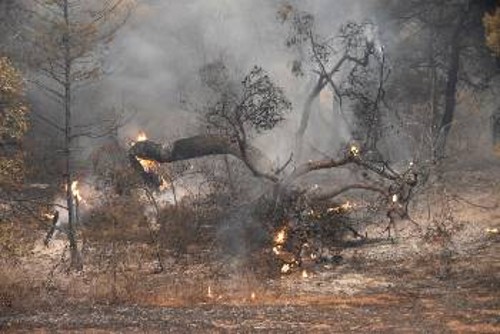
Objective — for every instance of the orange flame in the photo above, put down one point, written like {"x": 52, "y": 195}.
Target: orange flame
{"x": 141, "y": 136}
{"x": 285, "y": 269}
{"x": 305, "y": 274}
{"x": 75, "y": 191}
{"x": 147, "y": 165}
{"x": 280, "y": 237}
{"x": 347, "y": 206}
{"x": 354, "y": 150}
{"x": 277, "y": 250}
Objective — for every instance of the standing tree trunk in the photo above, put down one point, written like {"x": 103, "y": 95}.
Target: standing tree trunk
{"x": 67, "y": 34}
{"x": 76, "y": 262}
{"x": 450, "y": 92}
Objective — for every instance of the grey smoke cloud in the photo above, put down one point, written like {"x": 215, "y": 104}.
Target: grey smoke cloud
{"x": 154, "y": 61}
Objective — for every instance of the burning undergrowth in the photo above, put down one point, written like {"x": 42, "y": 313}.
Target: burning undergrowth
{"x": 273, "y": 230}
{"x": 284, "y": 228}
{"x": 301, "y": 236}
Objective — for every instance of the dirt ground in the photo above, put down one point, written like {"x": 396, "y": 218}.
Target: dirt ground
{"x": 408, "y": 285}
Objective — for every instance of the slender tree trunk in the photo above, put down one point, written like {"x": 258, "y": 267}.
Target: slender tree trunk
{"x": 174, "y": 192}
{"x": 230, "y": 176}
{"x": 373, "y": 130}
{"x": 306, "y": 114}
{"x": 75, "y": 256}
{"x": 433, "y": 92}
{"x": 450, "y": 92}
{"x": 114, "y": 262}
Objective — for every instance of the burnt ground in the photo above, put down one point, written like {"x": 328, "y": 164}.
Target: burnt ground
{"x": 412, "y": 285}
{"x": 396, "y": 298}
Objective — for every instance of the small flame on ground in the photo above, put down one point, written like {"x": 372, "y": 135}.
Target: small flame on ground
{"x": 277, "y": 250}
{"x": 280, "y": 237}
{"x": 347, "y": 206}
{"x": 164, "y": 184}
{"x": 354, "y": 150}
{"x": 342, "y": 208}
{"x": 305, "y": 274}
{"x": 209, "y": 293}
{"x": 253, "y": 296}
{"x": 285, "y": 269}
{"x": 492, "y": 231}
{"x": 49, "y": 216}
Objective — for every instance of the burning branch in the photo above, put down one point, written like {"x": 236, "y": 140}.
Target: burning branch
{"x": 190, "y": 148}
{"x": 318, "y": 165}
{"x": 145, "y": 153}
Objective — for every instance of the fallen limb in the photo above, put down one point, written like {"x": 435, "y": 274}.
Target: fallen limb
{"x": 466, "y": 201}
{"x": 331, "y": 193}
{"x": 196, "y": 147}
{"x": 201, "y": 146}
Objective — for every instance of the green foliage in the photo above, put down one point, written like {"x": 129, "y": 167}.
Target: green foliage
{"x": 257, "y": 104}
{"x": 263, "y": 103}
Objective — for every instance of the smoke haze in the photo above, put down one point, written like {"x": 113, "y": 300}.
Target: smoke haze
{"x": 157, "y": 56}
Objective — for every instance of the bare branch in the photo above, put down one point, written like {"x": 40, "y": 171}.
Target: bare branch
{"x": 327, "y": 194}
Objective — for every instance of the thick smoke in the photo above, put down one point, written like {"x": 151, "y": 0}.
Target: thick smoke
{"x": 156, "y": 58}
{"x": 152, "y": 69}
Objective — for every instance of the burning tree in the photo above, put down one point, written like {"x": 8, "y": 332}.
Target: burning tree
{"x": 237, "y": 114}
{"x": 67, "y": 36}
{"x": 240, "y": 110}
{"x": 394, "y": 187}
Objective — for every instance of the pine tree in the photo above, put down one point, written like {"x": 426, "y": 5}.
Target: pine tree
{"x": 68, "y": 36}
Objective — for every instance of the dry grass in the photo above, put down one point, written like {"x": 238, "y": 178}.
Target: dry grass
{"x": 20, "y": 290}
{"x": 179, "y": 229}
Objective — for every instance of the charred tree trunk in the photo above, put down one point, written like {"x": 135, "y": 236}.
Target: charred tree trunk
{"x": 200, "y": 146}
{"x": 450, "y": 92}
{"x": 195, "y": 147}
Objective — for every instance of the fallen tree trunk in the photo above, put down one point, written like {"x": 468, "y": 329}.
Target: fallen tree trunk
{"x": 184, "y": 149}
{"x": 205, "y": 145}
{"x": 197, "y": 147}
